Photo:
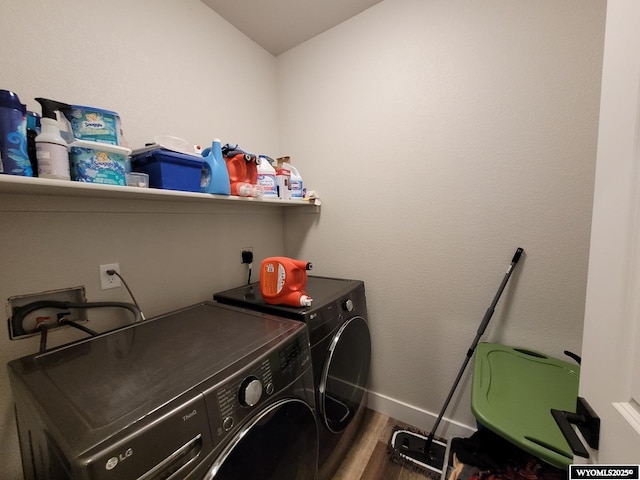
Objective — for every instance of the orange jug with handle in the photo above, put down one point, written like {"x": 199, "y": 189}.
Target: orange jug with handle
{"x": 282, "y": 281}
{"x": 243, "y": 171}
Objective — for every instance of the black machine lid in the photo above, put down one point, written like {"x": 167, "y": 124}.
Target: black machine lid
{"x": 109, "y": 380}
{"x": 322, "y": 290}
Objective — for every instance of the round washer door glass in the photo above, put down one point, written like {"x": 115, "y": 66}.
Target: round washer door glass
{"x": 281, "y": 443}
{"x": 345, "y": 374}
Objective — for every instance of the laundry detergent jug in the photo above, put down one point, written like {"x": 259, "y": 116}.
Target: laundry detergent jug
{"x": 214, "y": 177}
{"x": 243, "y": 171}
{"x": 297, "y": 185}
{"x": 282, "y": 281}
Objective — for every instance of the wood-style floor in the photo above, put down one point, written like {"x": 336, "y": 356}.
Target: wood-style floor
{"x": 368, "y": 458}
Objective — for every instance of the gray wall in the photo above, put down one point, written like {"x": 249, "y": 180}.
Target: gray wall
{"x": 439, "y": 136}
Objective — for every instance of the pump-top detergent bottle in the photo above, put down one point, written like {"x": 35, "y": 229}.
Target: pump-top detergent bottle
{"x": 282, "y": 281}
{"x": 52, "y": 151}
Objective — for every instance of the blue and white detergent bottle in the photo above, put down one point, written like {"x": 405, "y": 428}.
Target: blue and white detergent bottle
{"x": 267, "y": 178}
{"x": 215, "y": 176}
{"x": 297, "y": 185}
{"x": 14, "y": 158}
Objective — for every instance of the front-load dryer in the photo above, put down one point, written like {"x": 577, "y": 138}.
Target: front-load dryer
{"x": 206, "y": 392}
{"x": 340, "y": 353}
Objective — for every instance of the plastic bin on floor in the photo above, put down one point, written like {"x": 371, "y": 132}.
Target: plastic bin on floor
{"x": 514, "y": 390}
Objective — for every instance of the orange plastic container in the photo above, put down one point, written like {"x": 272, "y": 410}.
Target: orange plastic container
{"x": 243, "y": 174}
{"x": 282, "y": 281}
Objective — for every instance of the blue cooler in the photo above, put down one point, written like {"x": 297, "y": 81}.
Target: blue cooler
{"x": 168, "y": 169}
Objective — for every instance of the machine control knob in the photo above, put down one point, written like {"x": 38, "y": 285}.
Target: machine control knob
{"x": 348, "y": 305}
{"x": 250, "y": 391}
{"x": 227, "y": 424}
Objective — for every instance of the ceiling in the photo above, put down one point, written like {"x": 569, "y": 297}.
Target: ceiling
{"x": 279, "y": 25}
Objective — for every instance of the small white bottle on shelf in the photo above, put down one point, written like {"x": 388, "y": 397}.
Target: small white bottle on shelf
{"x": 52, "y": 151}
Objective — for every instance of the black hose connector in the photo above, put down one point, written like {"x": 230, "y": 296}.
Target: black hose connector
{"x": 44, "y": 329}
{"x": 78, "y": 326}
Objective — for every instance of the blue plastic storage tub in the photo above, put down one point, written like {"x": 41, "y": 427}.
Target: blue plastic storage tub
{"x": 167, "y": 169}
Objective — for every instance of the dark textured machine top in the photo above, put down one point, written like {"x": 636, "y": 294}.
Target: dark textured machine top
{"x": 144, "y": 366}
{"x": 321, "y": 289}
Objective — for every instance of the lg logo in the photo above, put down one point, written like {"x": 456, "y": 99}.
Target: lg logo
{"x": 113, "y": 461}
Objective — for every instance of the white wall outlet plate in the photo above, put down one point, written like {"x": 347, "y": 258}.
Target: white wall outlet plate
{"x": 109, "y": 281}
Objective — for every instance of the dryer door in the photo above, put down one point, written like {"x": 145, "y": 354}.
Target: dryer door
{"x": 280, "y": 443}
{"x": 345, "y": 374}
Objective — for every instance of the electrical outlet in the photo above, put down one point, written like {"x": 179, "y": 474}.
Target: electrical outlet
{"x": 247, "y": 254}
{"x": 109, "y": 281}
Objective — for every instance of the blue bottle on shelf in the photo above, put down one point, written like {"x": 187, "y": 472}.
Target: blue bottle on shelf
{"x": 14, "y": 158}
{"x": 215, "y": 176}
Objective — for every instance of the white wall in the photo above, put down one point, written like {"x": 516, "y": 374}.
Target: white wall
{"x": 167, "y": 67}
{"x": 441, "y": 136}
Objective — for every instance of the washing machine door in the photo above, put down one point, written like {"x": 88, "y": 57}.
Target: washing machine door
{"x": 280, "y": 443}
{"x": 345, "y": 374}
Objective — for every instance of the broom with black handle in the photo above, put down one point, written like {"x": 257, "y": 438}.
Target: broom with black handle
{"x": 417, "y": 451}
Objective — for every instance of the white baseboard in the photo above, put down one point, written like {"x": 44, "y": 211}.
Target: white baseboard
{"x": 416, "y": 417}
